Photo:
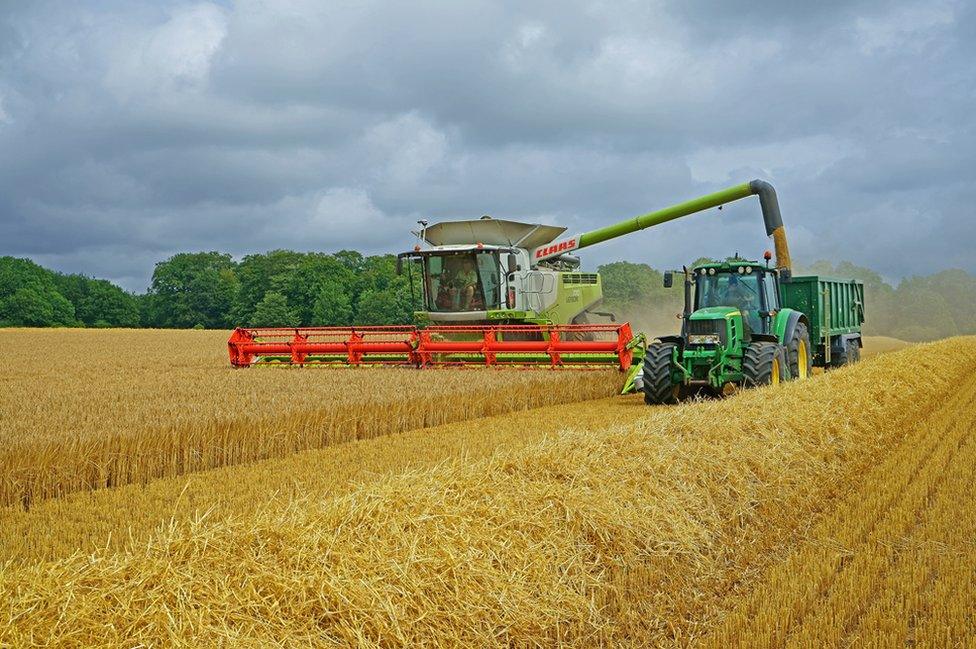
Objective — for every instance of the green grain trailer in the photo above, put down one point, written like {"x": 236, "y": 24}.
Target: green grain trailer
{"x": 748, "y": 324}
{"x": 835, "y": 310}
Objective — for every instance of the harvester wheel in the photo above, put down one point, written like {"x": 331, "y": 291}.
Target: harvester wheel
{"x": 763, "y": 363}
{"x": 581, "y": 319}
{"x": 659, "y": 388}
{"x": 798, "y": 353}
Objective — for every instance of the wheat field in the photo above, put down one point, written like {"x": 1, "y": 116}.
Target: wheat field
{"x": 89, "y": 409}
{"x": 822, "y": 511}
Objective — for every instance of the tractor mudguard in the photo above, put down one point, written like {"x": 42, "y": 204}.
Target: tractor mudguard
{"x": 792, "y": 318}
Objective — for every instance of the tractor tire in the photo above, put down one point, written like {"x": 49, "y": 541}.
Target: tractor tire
{"x": 659, "y": 389}
{"x": 799, "y": 353}
{"x": 763, "y": 363}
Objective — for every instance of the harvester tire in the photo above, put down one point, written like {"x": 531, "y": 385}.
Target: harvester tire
{"x": 658, "y": 386}
{"x": 763, "y": 363}
{"x": 581, "y": 319}
{"x": 799, "y": 353}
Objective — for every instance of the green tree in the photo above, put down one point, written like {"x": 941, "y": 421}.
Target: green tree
{"x": 384, "y": 306}
{"x": 258, "y": 274}
{"x": 351, "y": 259}
{"x": 26, "y": 307}
{"x": 332, "y": 306}
{"x": 273, "y": 311}
{"x": 303, "y": 285}
{"x": 98, "y": 302}
{"x": 29, "y": 296}
{"x": 702, "y": 260}
{"x": 625, "y": 282}
{"x": 192, "y": 288}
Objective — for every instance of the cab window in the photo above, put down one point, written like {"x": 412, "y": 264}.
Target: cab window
{"x": 772, "y": 296}
{"x": 462, "y": 282}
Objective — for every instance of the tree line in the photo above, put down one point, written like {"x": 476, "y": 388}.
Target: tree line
{"x": 211, "y": 290}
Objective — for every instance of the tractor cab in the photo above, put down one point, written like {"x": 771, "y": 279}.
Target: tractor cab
{"x": 736, "y": 287}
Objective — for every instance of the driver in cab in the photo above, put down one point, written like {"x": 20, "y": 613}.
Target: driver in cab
{"x": 461, "y": 284}
{"x": 742, "y": 296}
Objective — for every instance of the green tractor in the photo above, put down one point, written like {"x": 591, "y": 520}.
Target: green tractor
{"x": 746, "y": 324}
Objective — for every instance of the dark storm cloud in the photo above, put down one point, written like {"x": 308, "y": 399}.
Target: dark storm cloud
{"x": 130, "y": 131}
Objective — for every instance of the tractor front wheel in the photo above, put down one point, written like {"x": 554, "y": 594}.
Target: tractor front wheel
{"x": 798, "y": 353}
{"x": 659, "y": 388}
{"x": 763, "y": 363}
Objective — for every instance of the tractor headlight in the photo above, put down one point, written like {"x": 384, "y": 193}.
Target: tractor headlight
{"x": 704, "y": 339}
{"x": 711, "y": 271}
{"x": 742, "y": 270}
{"x": 748, "y": 269}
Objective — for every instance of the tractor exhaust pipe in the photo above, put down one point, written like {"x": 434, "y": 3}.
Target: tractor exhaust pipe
{"x": 774, "y": 222}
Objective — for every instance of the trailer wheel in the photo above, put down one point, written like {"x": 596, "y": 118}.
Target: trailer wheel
{"x": 658, "y": 385}
{"x": 798, "y": 353}
{"x": 763, "y": 363}
{"x": 850, "y": 352}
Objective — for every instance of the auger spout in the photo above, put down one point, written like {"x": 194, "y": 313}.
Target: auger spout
{"x": 767, "y": 202}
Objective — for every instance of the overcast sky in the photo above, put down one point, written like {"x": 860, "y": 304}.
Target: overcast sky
{"x": 130, "y": 131}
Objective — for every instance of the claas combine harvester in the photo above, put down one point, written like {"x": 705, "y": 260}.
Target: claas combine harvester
{"x": 497, "y": 292}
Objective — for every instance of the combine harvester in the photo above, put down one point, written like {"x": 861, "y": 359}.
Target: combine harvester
{"x": 497, "y": 292}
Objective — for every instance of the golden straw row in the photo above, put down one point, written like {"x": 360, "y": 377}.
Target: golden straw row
{"x": 585, "y": 538}
{"x": 111, "y": 518}
{"x": 892, "y": 564}
{"x": 108, "y": 408}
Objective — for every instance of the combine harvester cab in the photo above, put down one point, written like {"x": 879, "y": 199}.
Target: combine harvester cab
{"x": 495, "y": 292}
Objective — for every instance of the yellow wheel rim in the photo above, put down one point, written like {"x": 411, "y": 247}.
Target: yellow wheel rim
{"x": 802, "y": 361}
{"x": 775, "y": 377}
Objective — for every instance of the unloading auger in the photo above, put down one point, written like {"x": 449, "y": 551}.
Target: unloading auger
{"x": 495, "y": 292}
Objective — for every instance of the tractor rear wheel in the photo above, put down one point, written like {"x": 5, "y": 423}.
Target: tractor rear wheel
{"x": 659, "y": 388}
{"x": 798, "y": 353}
{"x": 763, "y": 364}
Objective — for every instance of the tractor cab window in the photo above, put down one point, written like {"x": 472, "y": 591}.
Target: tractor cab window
{"x": 732, "y": 290}
{"x": 462, "y": 281}
{"x": 772, "y": 297}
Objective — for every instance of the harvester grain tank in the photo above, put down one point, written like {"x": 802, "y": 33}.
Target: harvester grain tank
{"x": 496, "y": 292}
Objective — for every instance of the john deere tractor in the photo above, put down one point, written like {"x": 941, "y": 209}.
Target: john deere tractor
{"x": 747, "y": 324}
